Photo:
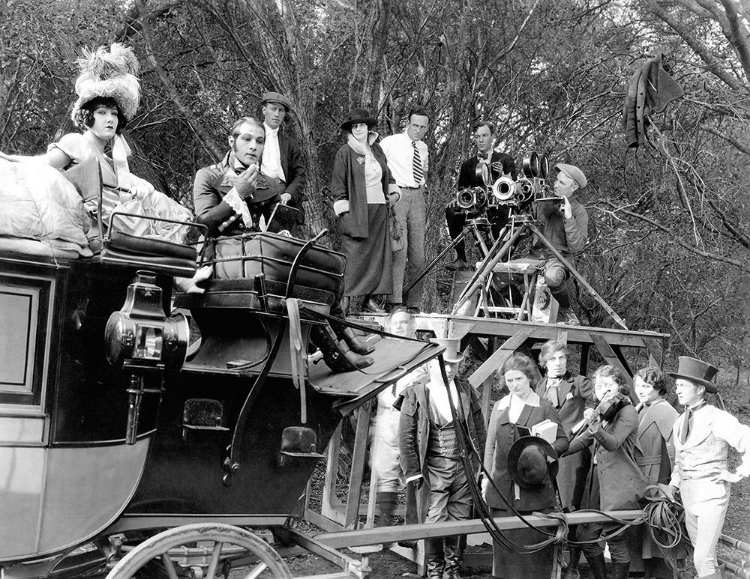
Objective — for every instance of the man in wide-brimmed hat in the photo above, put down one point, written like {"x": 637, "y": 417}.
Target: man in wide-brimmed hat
{"x": 431, "y": 453}
{"x": 702, "y": 437}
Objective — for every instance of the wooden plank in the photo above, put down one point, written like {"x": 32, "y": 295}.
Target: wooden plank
{"x": 332, "y": 467}
{"x": 459, "y": 329}
{"x": 516, "y": 339}
{"x": 583, "y": 369}
{"x": 655, "y": 351}
{"x": 468, "y": 527}
{"x": 358, "y": 466}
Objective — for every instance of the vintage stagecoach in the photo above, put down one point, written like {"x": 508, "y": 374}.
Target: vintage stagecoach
{"x": 122, "y": 438}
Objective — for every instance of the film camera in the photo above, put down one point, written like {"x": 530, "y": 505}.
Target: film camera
{"x": 505, "y": 192}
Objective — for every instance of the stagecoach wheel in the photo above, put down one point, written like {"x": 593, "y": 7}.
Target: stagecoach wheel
{"x": 170, "y": 545}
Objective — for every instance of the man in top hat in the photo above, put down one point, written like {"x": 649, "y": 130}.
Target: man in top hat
{"x": 282, "y": 158}
{"x": 431, "y": 455}
{"x": 566, "y": 227}
{"x": 702, "y": 437}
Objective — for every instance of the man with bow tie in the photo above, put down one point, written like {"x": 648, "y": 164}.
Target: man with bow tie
{"x": 702, "y": 437}
{"x": 481, "y": 170}
{"x": 570, "y": 395}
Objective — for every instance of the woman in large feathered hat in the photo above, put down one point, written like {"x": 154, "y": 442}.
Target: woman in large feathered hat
{"x": 108, "y": 95}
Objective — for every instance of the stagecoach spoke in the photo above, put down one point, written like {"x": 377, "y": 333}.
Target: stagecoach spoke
{"x": 257, "y": 571}
{"x": 214, "y": 563}
{"x": 189, "y": 546}
{"x": 169, "y": 566}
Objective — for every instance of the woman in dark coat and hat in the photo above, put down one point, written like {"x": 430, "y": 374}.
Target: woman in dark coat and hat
{"x": 360, "y": 187}
{"x": 615, "y": 481}
{"x": 506, "y": 452}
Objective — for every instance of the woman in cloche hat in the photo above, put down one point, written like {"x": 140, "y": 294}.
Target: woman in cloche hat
{"x": 360, "y": 188}
{"x": 511, "y": 419}
{"x": 702, "y": 437}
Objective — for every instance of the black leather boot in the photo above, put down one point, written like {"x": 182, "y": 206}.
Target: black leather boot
{"x": 620, "y": 570}
{"x": 387, "y": 502}
{"x": 354, "y": 342}
{"x": 598, "y": 567}
{"x": 337, "y": 355}
{"x": 572, "y": 571}
{"x": 433, "y": 552}
{"x": 453, "y": 558}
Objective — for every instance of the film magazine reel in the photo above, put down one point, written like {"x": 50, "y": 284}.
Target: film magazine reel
{"x": 531, "y": 186}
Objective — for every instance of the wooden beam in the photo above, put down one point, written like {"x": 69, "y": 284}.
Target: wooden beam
{"x": 357, "y": 474}
{"x": 469, "y": 527}
{"x": 332, "y": 466}
{"x": 655, "y": 351}
{"x": 497, "y": 359}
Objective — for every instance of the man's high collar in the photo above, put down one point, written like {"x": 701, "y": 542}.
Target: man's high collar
{"x": 231, "y": 162}
{"x": 270, "y": 131}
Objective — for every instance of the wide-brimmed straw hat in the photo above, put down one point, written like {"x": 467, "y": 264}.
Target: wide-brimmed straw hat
{"x": 357, "y": 116}
{"x": 530, "y": 460}
{"x": 697, "y": 371}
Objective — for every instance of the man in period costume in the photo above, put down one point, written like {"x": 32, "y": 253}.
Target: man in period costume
{"x": 702, "y": 437}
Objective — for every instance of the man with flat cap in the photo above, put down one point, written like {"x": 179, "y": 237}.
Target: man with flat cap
{"x": 702, "y": 437}
{"x": 566, "y": 227}
{"x": 282, "y": 158}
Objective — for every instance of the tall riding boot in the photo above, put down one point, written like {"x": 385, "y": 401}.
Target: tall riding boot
{"x": 387, "y": 502}
{"x": 337, "y": 354}
{"x": 620, "y": 570}
{"x": 572, "y": 571}
{"x": 433, "y": 552}
{"x": 597, "y": 566}
{"x": 355, "y": 343}
{"x": 454, "y": 557}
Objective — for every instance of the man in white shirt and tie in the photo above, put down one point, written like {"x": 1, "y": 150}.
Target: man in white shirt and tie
{"x": 407, "y": 157}
{"x": 282, "y": 157}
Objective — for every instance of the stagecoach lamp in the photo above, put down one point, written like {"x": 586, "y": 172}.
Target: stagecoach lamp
{"x": 142, "y": 333}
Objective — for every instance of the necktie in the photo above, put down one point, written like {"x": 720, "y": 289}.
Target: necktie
{"x": 417, "y": 166}
{"x": 685, "y": 430}
{"x": 551, "y": 393}
{"x": 108, "y": 149}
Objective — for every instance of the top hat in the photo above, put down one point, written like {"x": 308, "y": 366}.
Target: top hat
{"x": 574, "y": 173}
{"x": 530, "y": 460}
{"x": 451, "y": 354}
{"x": 278, "y": 98}
{"x": 357, "y": 116}
{"x": 697, "y": 371}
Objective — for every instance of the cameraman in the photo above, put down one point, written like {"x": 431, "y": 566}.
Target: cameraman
{"x": 565, "y": 225}
{"x": 493, "y": 165}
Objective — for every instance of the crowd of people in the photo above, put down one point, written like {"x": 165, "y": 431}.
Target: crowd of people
{"x": 601, "y": 451}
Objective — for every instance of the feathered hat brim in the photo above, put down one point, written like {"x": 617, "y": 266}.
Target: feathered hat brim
{"x": 109, "y": 74}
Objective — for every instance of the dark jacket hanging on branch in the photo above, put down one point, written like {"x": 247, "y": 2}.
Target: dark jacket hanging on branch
{"x": 650, "y": 90}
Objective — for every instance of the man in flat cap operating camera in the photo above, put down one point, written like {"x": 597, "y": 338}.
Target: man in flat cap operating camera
{"x": 565, "y": 226}
{"x": 282, "y": 157}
